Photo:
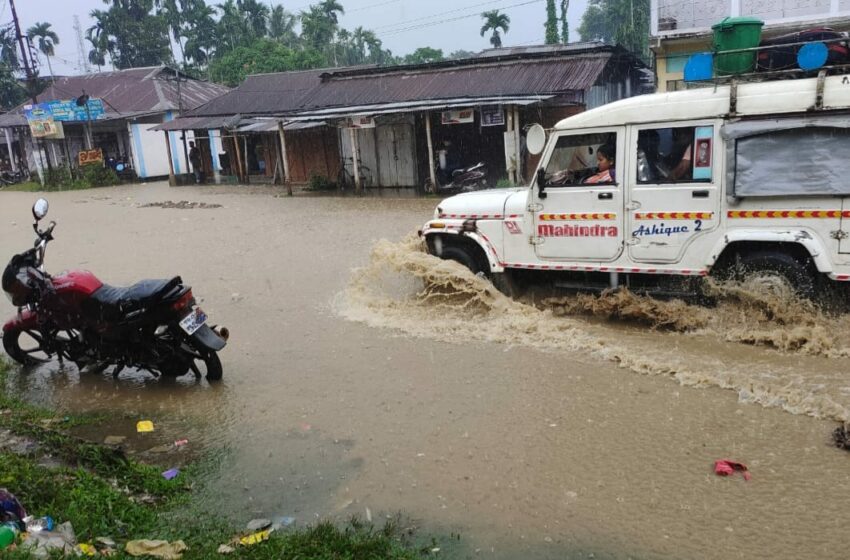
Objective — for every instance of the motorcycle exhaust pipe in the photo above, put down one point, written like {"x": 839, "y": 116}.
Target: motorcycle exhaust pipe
{"x": 223, "y": 332}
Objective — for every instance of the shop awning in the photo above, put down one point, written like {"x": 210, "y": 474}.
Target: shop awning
{"x": 415, "y": 106}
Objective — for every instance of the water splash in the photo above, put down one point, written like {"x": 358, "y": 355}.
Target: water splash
{"x": 404, "y": 288}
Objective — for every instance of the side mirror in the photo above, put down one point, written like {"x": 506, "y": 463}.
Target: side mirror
{"x": 39, "y": 209}
{"x": 542, "y": 183}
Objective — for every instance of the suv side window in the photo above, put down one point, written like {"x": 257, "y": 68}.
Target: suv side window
{"x": 681, "y": 154}
{"x": 583, "y": 159}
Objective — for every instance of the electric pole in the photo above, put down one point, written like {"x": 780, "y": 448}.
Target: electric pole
{"x": 24, "y": 54}
{"x": 30, "y": 80}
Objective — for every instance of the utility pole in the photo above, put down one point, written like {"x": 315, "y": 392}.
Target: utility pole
{"x": 30, "y": 75}
{"x": 24, "y": 54}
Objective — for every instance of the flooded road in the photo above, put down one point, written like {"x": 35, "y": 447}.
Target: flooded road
{"x": 536, "y": 431}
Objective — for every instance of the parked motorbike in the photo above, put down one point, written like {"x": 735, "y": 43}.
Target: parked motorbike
{"x": 153, "y": 325}
{"x": 8, "y": 177}
{"x": 466, "y": 179}
{"x": 122, "y": 167}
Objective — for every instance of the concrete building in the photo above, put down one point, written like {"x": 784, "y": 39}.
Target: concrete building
{"x": 680, "y": 28}
{"x": 134, "y": 100}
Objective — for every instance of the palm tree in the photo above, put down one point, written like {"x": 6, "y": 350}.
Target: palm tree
{"x": 47, "y": 39}
{"x": 330, "y": 8}
{"x": 495, "y": 21}
{"x": 200, "y": 33}
{"x": 256, "y": 15}
{"x": 282, "y": 26}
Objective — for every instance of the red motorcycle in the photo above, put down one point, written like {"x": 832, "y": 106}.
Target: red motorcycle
{"x": 152, "y": 325}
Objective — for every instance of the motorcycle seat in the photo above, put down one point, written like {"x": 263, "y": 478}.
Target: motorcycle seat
{"x": 136, "y": 295}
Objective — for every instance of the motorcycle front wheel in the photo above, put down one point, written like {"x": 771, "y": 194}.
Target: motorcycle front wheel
{"x": 25, "y": 347}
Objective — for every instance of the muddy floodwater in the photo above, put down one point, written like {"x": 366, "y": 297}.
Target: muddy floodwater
{"x": 365, "y": 377}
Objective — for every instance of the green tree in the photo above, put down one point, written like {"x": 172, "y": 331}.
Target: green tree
{"x": 131, "y": 34}
{"x": 9, "y": 48}
{"x": 201, "y": 34}
{"x": 565, "y": 27}
{"x": 460, "y": 53}
{"x": 256, "y": 15}
{"x": 47, "y": 39}
{"x": 551, "y": 24}
{"x": 423, "y": 55}
{"x": 12, "y": 93}
{"x": 232, "y": 29}
{"x": 494, "y": 21}
{"x": 621, "y": 22}
{"x": 282, "y": 26}
{"x": 264, "y": 55}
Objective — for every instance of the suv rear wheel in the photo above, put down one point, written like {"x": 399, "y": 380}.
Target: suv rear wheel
{"x": 777, "y": 272}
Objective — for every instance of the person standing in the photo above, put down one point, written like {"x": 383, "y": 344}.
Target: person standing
{"x": 195, "y": 160}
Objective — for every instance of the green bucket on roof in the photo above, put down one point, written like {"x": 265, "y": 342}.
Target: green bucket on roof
{"x": 733, "y": 33}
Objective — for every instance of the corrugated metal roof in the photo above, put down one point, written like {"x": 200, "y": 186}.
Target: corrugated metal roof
{"x": 539, "y": 49}
{"x": 132, "y": 92}
{"x": 409, "y": 106}
{"x": 150, "y": 89}
{"x": 513, "y": 78}
{"x": 198, "y": 123}
{"x": 263, "y": 94}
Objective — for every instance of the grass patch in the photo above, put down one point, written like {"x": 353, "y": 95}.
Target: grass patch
{"x": 106, "y": 494}
{"x": 29, "y": 186}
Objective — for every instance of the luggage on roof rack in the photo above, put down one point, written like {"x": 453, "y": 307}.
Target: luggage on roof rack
{"x": 783, "y": 52}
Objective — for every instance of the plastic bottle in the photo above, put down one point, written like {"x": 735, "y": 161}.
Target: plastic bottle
{"x": 7, "y": 536}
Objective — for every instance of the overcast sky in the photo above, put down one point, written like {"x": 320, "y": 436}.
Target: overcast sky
{"x": 403, "y": 25}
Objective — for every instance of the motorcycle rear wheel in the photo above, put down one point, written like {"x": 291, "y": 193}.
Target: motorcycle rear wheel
{"x": 210, "y": 361}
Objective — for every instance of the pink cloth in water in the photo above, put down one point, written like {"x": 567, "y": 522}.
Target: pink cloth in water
{"x": 726, "y": 467}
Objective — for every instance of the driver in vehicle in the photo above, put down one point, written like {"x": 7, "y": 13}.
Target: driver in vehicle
{"x": 605, "y": 166}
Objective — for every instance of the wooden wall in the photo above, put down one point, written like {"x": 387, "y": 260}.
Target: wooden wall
{"x": 313, "y": 151}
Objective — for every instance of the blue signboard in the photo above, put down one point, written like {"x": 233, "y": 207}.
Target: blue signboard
{"x": 67, "y": 110}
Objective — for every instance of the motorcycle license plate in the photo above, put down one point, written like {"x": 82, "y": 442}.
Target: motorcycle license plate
{"x": 193, "y": 321}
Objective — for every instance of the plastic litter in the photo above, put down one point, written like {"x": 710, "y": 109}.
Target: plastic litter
{"x": 255, "y": 538}
{"x": 41, "y": 524}
{"x": 87, "y": 549}
{"x": 144, "y": 426}
{"x": 726, "y": 467}
{"x": 225, "y": 549}
{"x": 170, "y": 473}
{"x": 157, "y": 549}
{"x": 258, "y": 524}
{"x": 181, "y": 442}
{"x": 44, "y": 543}
{"x": 7, "y": 536}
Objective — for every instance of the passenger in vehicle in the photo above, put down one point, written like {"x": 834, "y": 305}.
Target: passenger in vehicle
{"x": 605, "y": 165}
{"x": 682, "y": 154}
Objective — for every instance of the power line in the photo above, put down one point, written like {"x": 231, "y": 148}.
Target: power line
{"x": 441, "y": 14}
{"x": 432, "y": 23}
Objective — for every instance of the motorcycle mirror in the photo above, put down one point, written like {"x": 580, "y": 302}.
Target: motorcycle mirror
{"x": 39, "y": 209}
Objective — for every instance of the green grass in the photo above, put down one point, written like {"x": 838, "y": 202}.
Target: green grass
{"x": 29, "y": 186}
{"x": 98, "y": 491}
